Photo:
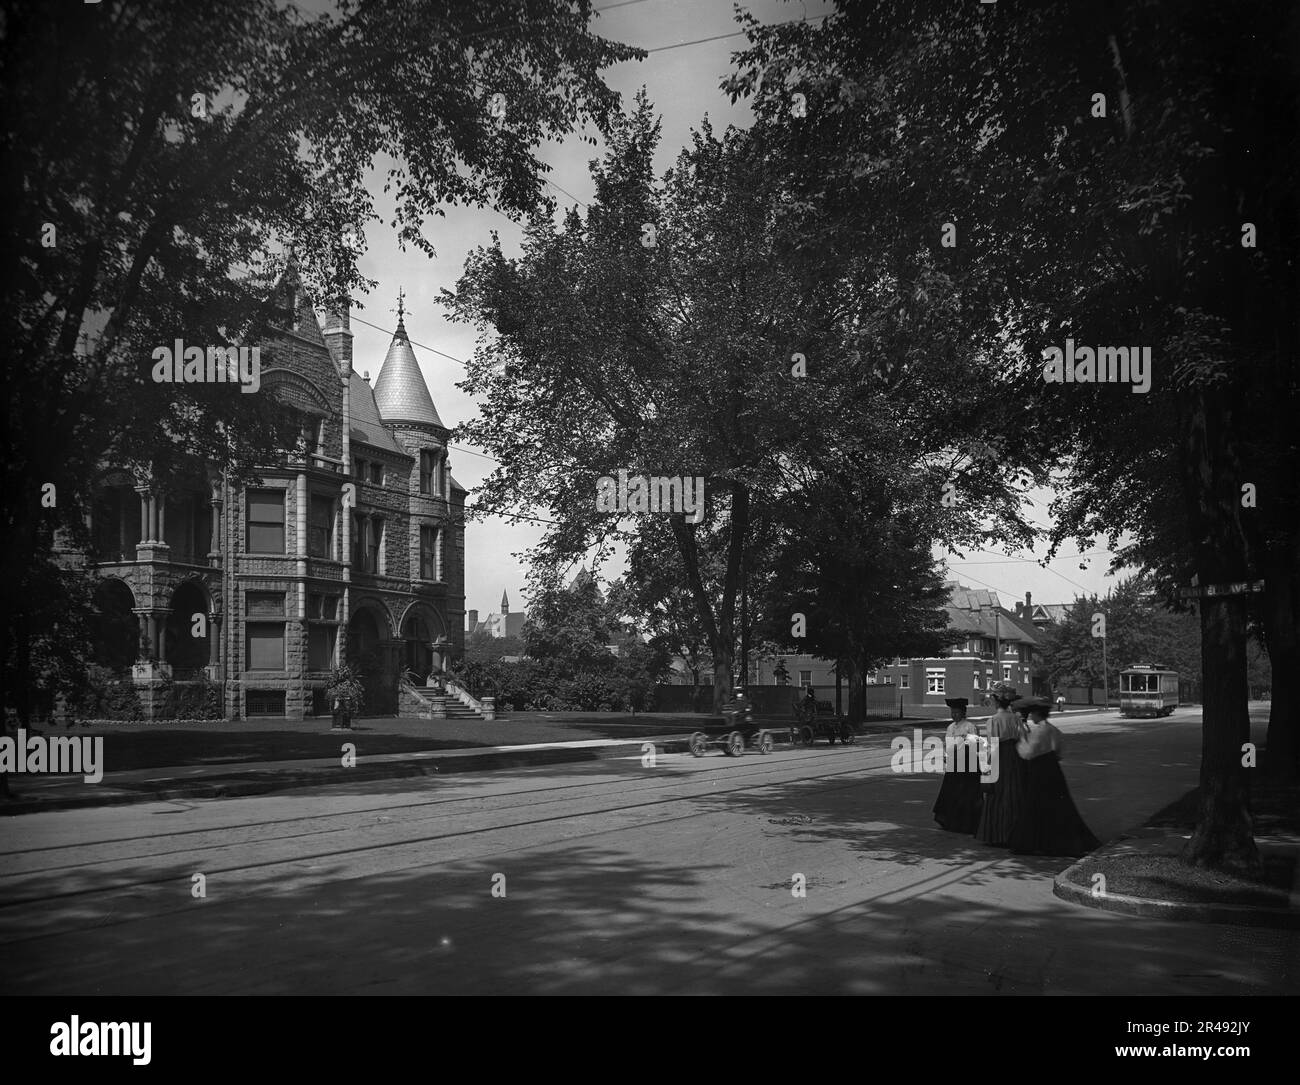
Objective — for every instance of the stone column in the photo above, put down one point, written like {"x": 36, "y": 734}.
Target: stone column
{"x": 214, "y": 638}
{"x": 146, "y": 515}
{"x": 214, "y": 542}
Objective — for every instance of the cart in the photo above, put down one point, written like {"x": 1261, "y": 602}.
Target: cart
{"x": 744, "y": 732}
{"x": 811, "y": 727}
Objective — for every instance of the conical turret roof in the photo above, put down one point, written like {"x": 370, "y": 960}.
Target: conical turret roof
{"x": 400, "y": 392}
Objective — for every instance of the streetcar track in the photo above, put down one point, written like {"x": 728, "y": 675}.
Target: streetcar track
{"x": 377, "y": 846}
{"x": 549, "y": 795}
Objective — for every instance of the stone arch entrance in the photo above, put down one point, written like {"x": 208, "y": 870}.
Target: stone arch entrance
{"x": 114, "y": 627}
{"x": 421, "y": 626}
{"x": 187, "y": 653}
{"x": 370, "y": 652}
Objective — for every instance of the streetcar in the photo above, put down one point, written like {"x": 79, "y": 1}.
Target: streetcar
{"x": 1147, "y": 689}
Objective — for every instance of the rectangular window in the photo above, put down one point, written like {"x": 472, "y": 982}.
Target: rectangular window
{"x": 320, "y": 527}
{"x": 934, "y": 681}
{"x": 428, "y": 471}
{"x": 265, "y": 646}
{"x": 368, "y": 553}
{"x": 323, "y": 607}
{"x": 265, "y": 702}
{"x": 377, "y": 473}
{"x": 320, "y": 646}
{"x": 1006, "y": 673}
{"x": 265, "y": 521}
{"x": 264, "y": 604}
{"x": 375, "y": 547}
{"x": 805, "y": 679}
{"x": 429, "y": 553}
{"x": 904, "y": 681}
{"x": 358, "y": 468}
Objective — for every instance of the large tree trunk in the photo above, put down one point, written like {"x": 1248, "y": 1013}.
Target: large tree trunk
{"x": 722, "y": 662}
{"x": 1224, "y": 833}
{"x": 720, "y": 630}
{"x": 1282, "y": 639}
{"x": 1223, "y": 838}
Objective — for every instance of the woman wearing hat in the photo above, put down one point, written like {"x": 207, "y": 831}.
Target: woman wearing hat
{"x": 1047, "y": 822}
{"x": 1003, "y": 797}
{"x": 957, "y": 809}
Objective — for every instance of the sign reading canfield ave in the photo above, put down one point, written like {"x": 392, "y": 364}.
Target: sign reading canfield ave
{"x": 1241, "y": 587}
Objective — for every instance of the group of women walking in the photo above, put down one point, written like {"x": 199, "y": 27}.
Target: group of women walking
{"x": 1027, "y": 807}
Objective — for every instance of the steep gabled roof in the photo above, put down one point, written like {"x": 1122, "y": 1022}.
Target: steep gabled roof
{"x": 366, "y": 424}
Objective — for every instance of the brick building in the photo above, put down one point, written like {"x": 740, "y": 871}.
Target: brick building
{"x": 351, "y": 550}
{"x": 971, "y": 665}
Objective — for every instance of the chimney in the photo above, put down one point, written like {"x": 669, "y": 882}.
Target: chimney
{"x": 1029, "y": 601}
{"x": 338, "y": 335}
{"x": 473, "y": 620}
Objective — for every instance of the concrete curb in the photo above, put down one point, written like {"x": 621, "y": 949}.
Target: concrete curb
{"x": 236, "y": 784}
{"x": 1240, "y": 915}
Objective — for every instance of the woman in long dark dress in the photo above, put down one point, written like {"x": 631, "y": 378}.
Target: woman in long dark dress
{"x": 1047, "y": 822}
{"x": 1003, "y": 797}
{"x": 957, "y": 809}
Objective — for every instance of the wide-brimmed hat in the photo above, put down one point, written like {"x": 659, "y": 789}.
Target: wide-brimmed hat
{"x": 1003, "y": 691}
{"x": 956, "y": 702}
{"x": 1025, "y": 704}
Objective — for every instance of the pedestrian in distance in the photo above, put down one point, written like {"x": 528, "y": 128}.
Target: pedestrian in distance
{"x": 1047, "y": 822}
{"x": 961, "y": 798}
{"x": 1060, "y": 702}
{"x": 1002, "y": 797}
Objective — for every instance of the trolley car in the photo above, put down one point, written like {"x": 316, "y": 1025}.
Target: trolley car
{"x": 1147, "y": 689}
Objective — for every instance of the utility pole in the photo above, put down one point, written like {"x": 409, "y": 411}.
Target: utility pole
{"x": 997, "y": 645}
{"x": 1105, "y": 673}
{"x": 1099, "y": 631}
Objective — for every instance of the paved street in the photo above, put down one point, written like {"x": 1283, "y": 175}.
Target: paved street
{"x": 618, "y": 878}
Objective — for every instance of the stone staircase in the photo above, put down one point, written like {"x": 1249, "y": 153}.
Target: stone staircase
{"x": 413, "y": 700}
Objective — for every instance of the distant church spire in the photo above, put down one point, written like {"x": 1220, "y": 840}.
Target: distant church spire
{"x": 505, "y": 603}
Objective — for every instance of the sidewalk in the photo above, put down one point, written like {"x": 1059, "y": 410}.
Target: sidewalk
{"x": 225, "y": 758}
{"x": 1140, "y": 873}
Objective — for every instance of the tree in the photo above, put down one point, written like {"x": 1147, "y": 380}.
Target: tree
{"x": 151, "y": 200}
{"x": 853, "y": 577}
{"x": 483, "y": 647}
{"x": 569, "y": 623}
{"x": 1138, "y": 630}
{"x": 1107, "y": 170}
{"x": 669, "y": 333}
{"x": 650, "y": 595}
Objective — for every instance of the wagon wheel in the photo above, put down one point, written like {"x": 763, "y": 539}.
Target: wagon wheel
{"x": 764, "y": 743}
{"x": 806, "y": 733}
{"x": 846, "y": 734}
{"x": 735, "y": 744}
{"x": 697, "y": 743}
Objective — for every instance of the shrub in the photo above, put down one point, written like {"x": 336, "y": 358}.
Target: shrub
{"x": 107, "y": 695}
{"x": 199, "y": 700}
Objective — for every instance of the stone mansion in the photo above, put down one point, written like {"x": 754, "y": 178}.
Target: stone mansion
{"x": 351, "y": 550}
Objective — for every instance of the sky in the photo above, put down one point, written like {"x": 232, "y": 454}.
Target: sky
{"x": 682, "y": 76}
